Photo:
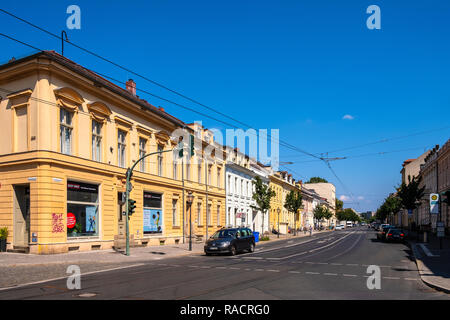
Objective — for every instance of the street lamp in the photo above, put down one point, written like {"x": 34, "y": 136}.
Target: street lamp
{"x": 278, "y": 233}
{"x": 190, "y": 200}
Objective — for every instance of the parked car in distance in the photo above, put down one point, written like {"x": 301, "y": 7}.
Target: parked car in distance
{"x": 381, "y": 235}
{"x": 395, "y": 235}
{"x": 340, "y": 227}
{"x": 349, "y": 224}
{"x": 230, "y": 240}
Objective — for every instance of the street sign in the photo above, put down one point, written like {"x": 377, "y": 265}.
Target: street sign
{"x": 410, "y": 212}
{"x": 434, "y": 203}
{"x": 440, "y": 229}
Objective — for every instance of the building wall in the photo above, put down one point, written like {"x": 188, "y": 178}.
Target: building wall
{"x": 30, "y": 154}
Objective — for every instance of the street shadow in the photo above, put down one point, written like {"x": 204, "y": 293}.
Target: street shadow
{"x": 157, "y": 252}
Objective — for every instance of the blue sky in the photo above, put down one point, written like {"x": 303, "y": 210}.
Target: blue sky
{"x": 296, "y": 66}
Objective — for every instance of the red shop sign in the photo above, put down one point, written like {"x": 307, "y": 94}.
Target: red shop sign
{"x": 71, "y": 220}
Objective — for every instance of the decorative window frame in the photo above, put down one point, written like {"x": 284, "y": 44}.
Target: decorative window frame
{"x": 100, "y": 112}
{"x": 125, "y": 126}
{"x": 72, "y": 101}
{"x": 19, "y": 100}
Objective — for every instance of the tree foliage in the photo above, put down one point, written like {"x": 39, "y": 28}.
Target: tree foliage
{"x": 322, "y": 212}
{"x": 262, "y": 195}
{"x": 410, "y": 193}
{"x": 317, "y": 180}
{"x": 294, "y": 201}
{"x": 348, "y": 215}
{"x": 391, "y": 204}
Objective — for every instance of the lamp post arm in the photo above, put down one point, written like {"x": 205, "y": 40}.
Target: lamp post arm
{"x": 127, "y": 194}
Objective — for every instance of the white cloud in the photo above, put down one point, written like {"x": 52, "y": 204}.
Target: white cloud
{"x": 360, "y": 198}
{"x": 344, "y": 198}
{"x": 348, "y": 117}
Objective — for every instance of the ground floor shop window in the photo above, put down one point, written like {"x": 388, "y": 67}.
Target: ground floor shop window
{"x": 153, "y": 213}
{"x": 82, "y": 209}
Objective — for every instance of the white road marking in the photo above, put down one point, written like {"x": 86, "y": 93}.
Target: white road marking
{"x": 312, "y": 272}
{"x": 352, "y": 264}
{"x": 270, "y": 270}
{"x": 234, "y": 268}
{"x": 330, "y": 274}
{"x": 83, "y": 274}
{"x": 221, "y": 267}
{"x": 427, "y": 251}
{"x": 349, "y": 275}
{"x": 411, "y": 279}
{"x": 259, "y": 269}
{"x": 253, "y": 258}
{"x": 391, "y": 278}
{"x": 336, "y": 264}
{"x": 294, "y": 271}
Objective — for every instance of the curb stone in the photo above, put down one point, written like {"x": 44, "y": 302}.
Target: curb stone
{"x": 424, "y": 271}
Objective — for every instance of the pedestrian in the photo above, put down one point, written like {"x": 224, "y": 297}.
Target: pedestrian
{"x": 310, "y": 230}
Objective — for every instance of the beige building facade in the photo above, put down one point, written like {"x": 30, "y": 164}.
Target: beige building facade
{"x": 68, "y": 137}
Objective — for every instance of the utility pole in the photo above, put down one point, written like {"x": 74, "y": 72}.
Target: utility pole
{"x": 182, "y": 182}
{"x": 207, "y": 204}
{"x": 129, "y": 173}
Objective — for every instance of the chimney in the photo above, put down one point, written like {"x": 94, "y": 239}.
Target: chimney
{"x": 162, "y": 109}
{"x": 131, "y": 86}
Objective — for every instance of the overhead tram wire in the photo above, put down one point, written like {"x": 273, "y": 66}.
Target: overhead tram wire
{"x": 154, "y": 82}
{"x": 379, "y": 141}
{"x": 145, "y": 78}
{"x": 280, "y": 141}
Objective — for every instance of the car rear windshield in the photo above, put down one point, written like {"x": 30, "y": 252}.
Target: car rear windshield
{"x": 223, "y": 234}
{"x": 395, "y": 231}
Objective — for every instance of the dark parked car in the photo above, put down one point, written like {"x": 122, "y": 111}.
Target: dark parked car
{"x": 381, "y": 235}
{"x": 395, "y": 235}
{"x": 231, "y": 240}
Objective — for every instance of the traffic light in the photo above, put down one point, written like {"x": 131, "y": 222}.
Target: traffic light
{"x": 191, "y": 147}
{"x": 131, "y": 206}
{"x": 445, "y": 196}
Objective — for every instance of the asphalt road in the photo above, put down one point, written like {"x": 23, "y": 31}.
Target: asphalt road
{"x": 327, "y": 266}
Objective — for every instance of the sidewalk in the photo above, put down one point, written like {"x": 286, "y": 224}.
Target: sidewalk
{"x": 432, "y": 262}
{"x": 19, "y": 269}
{"x": 138, "y": 254}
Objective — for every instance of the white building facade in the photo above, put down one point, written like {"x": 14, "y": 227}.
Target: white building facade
{"x": 239, "y": 190}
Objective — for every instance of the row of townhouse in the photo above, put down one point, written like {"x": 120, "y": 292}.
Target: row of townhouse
{"x": 68, "y": 137}
{"x": 433, "y": 167}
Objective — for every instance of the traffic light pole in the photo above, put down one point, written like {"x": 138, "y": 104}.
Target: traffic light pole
{"x": 127, "y": 195}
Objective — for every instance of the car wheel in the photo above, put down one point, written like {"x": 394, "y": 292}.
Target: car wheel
{"x": 207, "y": 253}
{"x": 252, "y": 247}
{"x": 233, "y": 250}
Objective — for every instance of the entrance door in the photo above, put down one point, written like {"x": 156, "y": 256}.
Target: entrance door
{"x": 21, "y": 215}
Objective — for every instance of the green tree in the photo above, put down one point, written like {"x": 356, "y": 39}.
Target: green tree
{"x": 410, "y": 193}
{"x": 293, "y": 203}
{"x": 316, "y": 180}
{"x": 391, "y": 205}
{"x": 339, "y": 205}
{"x": 262, "y": 196}
{"x": 321, "y": 213}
